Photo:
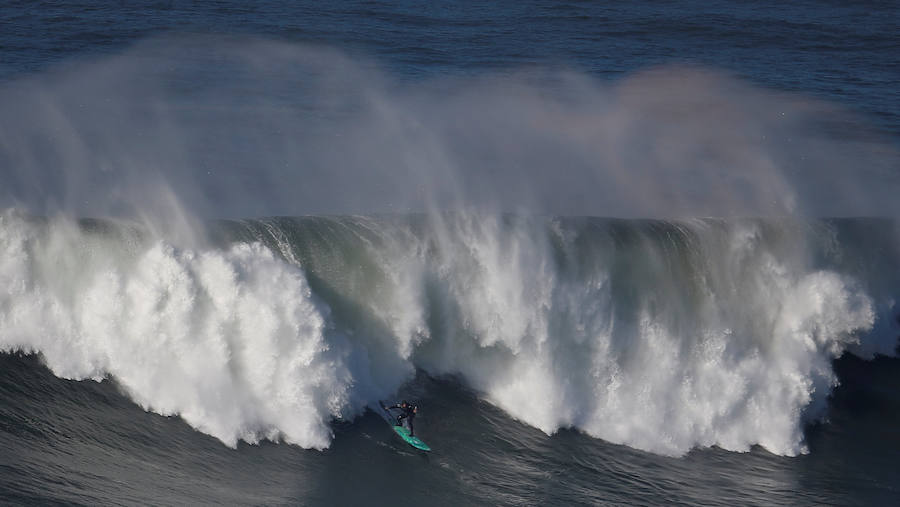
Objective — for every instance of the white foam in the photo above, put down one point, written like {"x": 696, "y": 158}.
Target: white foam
{"x": 736, "y": 366}
{"x": 232, "y": 341}
{"x": 720, "y": 335}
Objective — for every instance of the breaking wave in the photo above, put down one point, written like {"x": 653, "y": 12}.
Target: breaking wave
{"x": 660, "y": 335}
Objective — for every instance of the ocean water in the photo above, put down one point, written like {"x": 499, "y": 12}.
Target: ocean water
{"x": 631, "y": 254}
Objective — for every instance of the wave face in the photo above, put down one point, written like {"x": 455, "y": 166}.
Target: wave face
{"x": 660, "y": 335}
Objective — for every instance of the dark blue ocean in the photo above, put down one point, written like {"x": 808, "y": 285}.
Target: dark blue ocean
{"x": 633, "y": 253}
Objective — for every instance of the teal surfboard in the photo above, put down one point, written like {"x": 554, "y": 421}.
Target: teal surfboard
{"x": 404, "y": 433}
{"x": 413, "y": 441}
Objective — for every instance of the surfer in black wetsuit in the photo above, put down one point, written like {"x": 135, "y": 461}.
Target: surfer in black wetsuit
{"x": 409, "y": 413}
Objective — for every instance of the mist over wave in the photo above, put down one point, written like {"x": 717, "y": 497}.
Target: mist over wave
{"x": 233, "y": 127}
{"x": 661, "y": 335}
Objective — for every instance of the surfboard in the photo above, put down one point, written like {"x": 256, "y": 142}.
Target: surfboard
{"x": 404, "y": 433}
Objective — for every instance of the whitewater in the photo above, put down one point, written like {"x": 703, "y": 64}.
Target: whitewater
{"x": 663, "y": 335}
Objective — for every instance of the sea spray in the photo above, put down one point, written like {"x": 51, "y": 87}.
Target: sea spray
{"x": 228, "y": 127}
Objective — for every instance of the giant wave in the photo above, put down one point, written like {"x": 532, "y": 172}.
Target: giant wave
{"x": 660, "y": 335}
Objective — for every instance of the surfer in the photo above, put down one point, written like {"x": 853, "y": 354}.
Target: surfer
{"x": 409, "y": 413}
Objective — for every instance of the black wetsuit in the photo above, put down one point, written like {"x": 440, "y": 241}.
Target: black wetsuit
{"x": 409, "y": 413}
